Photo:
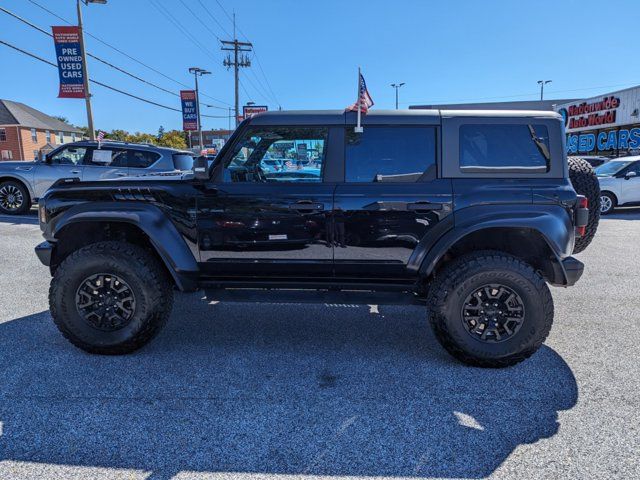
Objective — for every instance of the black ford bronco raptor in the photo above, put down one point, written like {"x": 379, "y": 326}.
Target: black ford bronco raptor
{"x": 470, "y": 213}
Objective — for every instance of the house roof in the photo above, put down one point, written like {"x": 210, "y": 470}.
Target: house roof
{"x": 16, "y": 113}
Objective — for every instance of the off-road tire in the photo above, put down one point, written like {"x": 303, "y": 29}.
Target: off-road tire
{"x": 614, "y": 202}
{"x": 149, "y": 282}
{"x": 26, "y": 198}
{"x": 585, "y": 182}
{"x": 454, "y": 282}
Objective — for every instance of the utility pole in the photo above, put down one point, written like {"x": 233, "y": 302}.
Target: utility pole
{"x": 397, "y": 87}
{"x": 85, "y": 70}
{"x": 238, "y": 61}
{"x": 542, "y": 83}
{"x": 198, "y": 72}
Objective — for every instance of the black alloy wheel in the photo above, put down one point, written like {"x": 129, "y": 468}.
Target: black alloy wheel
{"x": 493, "y": 313}
{"x": 106, "y": 302}
{"x": 11, "y": 198}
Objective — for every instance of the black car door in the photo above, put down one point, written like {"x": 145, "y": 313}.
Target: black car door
{"x": 391, "y": 199}
{"x": 268, "y": 218}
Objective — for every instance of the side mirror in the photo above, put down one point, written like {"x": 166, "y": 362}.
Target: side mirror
{"x": 629, "y": 175}
{"x": 201, "y": 168}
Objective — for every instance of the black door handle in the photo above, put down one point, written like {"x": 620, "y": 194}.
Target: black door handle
{"x": 424, "y": 206}
{"x": 306, "y": 205}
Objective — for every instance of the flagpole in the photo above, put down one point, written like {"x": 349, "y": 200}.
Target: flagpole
{"x": 359, "y": 128}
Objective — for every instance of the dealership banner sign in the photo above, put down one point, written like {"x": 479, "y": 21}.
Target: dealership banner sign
{"x": 249, "y": 111}
{"x": 69, "y": 56}
{"x": 189, "y": 110}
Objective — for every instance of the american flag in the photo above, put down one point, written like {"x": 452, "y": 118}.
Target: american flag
{"x": 100, "y": 136}
{"x": 363, "y": 98}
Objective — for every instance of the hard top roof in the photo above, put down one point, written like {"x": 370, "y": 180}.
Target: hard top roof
{"x": 414, "y": 116}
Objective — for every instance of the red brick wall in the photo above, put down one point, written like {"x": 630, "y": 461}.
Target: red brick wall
{"x": 22, "y": 145}
{"x": 11, "y": 143}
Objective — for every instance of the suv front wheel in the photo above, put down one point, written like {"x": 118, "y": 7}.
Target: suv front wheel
{"x": 110, "y": 297}
{"x": 490, "y": 309}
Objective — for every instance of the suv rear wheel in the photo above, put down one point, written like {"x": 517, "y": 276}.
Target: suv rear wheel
{"x": 110, "y": 297}
{"x": 490, "y": 309}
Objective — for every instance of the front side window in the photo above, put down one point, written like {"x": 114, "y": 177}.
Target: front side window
{"x": 278, "y": 154}
{"x": 69, "y": 156}
{"x": 504, "y": 149}
{"x": 139, "y": 159}
{"x": 390, "y": 154}
{"x": 3, "y": 135}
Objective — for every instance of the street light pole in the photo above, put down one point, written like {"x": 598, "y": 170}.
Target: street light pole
{"x": 542, "y": 83}
{"x": 397, "y": 87}
{"x": 198, "y": 72}
{"x": 85, "y": 70}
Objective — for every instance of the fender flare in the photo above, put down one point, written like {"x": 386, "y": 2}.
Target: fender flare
{"x": 163, "y": 234}
{"x": 552, "y": 222}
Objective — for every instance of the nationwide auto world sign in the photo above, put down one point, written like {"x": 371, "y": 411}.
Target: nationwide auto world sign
{"x": 69, "y": 56}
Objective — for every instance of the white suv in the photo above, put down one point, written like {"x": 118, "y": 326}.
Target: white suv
{"x": 619, "y": 183}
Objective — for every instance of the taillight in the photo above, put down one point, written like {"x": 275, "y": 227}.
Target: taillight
{"x": 582, "y": 215}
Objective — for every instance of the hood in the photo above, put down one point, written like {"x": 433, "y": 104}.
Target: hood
{"x": 24, "y": 166}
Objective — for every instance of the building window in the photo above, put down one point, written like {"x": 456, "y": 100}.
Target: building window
{"x": 61, "y": 137}
{"x": 73, "y": 136}
{"x": 35, "y": 154}
{"x": 3, "y": 134}
{"x": 7, "y": 155}
{"x": 34, "y": 135}
{"x": 47, "y": 134}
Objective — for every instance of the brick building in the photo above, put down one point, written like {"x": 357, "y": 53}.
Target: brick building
{"x": 24, "y": 131}
{"x": 211, "y": 138}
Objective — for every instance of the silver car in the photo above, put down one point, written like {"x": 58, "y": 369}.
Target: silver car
{"x": 22, "y": 183}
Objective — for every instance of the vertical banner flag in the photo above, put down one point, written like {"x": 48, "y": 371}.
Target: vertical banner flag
{"x": 189, "y": 110}
{"x": 69, "y": 56}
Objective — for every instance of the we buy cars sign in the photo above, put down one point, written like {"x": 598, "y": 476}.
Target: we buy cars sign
{"x": 69, "y": 56}
{"x": 189, "y": 110}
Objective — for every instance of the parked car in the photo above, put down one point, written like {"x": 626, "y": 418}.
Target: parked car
{"x": 23, "y": 183}
{"x": 619, "y": 183}
{"x": 470, "y": 214}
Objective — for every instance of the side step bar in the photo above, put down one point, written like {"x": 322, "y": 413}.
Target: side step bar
{"x": 297, "y": 296}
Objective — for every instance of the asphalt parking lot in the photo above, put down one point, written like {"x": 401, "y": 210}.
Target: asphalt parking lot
{"x": 288, "y": 391}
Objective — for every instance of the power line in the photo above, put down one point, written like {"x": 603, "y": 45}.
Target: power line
{"x": 167, "y": 14}
{"x": 206, "y": 9}
{"x": 32, "y": 55}
{"x": 200, "y": 20}
{"x": 130, "y": 57}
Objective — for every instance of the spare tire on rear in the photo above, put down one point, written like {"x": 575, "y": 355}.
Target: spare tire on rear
{"x": 585, "y": 182}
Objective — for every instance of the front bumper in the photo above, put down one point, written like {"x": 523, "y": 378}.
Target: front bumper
{"x": 573, "y": 270}
{"x": 44, "y": 251}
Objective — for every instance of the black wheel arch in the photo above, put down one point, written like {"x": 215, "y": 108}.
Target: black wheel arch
{"x": 541, "y": 235}
{"x": 141, "y": 224}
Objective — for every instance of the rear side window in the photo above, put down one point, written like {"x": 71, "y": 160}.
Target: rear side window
{"x": 389, "y": 154}
{"x": 139, "y": 159}
{"x": 504, "y": 149}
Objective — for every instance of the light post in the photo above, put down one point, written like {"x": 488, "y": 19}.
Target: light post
{"x": 542, "y": 83}
{"x": 85, "y": 70}
{"x": 397, "y": 87}
{"x": 198, "y": 72}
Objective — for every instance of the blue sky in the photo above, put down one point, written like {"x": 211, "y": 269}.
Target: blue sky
{"x": 445, "y": 51}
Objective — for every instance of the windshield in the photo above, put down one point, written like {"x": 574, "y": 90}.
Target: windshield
{"x": 610, "y": 168}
